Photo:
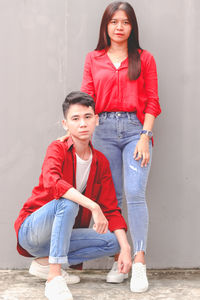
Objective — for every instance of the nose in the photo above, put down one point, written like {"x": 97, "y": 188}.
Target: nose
{"x": 119, "y": 25}
{"x": 82, "y": 123}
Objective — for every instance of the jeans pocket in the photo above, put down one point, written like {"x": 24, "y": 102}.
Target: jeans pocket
{"x": 134, "y": 120}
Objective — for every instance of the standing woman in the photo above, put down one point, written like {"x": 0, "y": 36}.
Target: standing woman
{"x": 122, "y": 78}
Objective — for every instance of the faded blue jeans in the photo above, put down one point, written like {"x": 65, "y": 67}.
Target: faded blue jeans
{"x": 116, "y": 137}
{"x": 49, "y": 232}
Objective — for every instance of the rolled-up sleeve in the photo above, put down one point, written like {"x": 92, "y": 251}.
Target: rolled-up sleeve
{"x": 87, "y": 85}
{"x": 52, "y": 171}
{"x": 151, "y": 87}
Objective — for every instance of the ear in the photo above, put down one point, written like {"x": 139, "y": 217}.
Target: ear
{"x": 97, "y": 120}
{"x": 64, "y": 124}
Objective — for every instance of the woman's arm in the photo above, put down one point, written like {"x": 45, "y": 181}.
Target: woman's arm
{"x": 152, "y": 109}
{"x": 142, "y": 147}
{"x": 87, "y": 85}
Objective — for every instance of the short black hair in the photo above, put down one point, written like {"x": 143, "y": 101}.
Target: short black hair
{"x": 77, "y": 97}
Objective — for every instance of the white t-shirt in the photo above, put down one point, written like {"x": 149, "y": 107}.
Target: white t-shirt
{"x": 82, "y": 172}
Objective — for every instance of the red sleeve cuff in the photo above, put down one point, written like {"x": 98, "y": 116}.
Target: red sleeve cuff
{"x": 117, "y": 222}
{"x": 61, "y": 188}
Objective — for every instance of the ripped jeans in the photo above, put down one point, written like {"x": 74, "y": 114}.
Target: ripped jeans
{"x": 116, "y": 137}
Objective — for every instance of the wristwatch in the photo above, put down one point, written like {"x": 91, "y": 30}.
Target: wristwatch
{"x": 149, "y": 133}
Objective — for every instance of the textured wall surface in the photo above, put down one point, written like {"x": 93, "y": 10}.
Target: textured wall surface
{"x": 43, "y": 47}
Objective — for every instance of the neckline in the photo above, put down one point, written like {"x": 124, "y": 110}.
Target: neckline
{"x": 83, "y": 160}
{"x": 121, "y": 63}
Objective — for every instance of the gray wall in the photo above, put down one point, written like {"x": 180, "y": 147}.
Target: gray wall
{"x": 43, "y": 46}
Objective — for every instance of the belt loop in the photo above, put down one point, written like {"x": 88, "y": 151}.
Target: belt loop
{"x": 128, "y": 115}
{"x": 105, "y": 115}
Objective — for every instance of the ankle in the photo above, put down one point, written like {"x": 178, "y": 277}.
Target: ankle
{"x": 54, "y": 271}
{"x": 44, "y": 261}
{"x": 139, "y": 257}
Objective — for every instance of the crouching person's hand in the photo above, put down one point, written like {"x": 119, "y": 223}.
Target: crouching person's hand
{"x": 124, "y": 260}
{"x": 100, "y": 221}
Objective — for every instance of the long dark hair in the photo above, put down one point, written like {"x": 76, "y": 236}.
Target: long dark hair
{"x": 134, "y": 63}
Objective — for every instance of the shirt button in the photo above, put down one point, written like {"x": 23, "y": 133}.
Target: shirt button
{"x": 116, "y": 71}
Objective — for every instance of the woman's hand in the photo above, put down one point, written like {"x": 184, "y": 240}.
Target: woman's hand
{"x": 63, "y": 138}
{"x": 142, "y": 150}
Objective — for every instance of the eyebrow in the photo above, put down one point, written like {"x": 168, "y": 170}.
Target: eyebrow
{"x": 87, "y": 114}
{"x": 120, "y": 19}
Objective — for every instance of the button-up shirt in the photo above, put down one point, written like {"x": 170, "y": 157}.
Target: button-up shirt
{"x": 59, "y": 175}
{"x": 113, "y": 91}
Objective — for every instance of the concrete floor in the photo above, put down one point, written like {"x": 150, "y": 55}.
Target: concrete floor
{"x": 164, "y": 284}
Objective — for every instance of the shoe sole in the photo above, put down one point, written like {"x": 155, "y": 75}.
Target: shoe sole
{"x": 112, "y": 280}
{"x": 50, "y": 298}
{"x": 139, "y": 291}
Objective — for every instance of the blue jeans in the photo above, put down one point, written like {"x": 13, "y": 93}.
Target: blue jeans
{"x": 49, "y": 232}
{"x": 116, "y": 137}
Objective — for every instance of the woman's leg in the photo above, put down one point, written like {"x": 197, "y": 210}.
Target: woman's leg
{"x": 105, "y": 139}
{"x": 135, "y": 181}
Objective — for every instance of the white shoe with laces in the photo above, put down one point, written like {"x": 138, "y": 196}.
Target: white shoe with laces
{"x": 57, "y": 289}
{"x": 114, "y": 276}
{"x": 139, "y": 281}
{"x": 41, "y": 271}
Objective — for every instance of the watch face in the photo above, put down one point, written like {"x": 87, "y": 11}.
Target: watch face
{"x": 148, "y": 133}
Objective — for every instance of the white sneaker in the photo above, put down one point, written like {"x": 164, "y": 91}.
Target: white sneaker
{"x": 114, "y": 276}
{"x": 42, "y": 272}
{"x": 57, "y": 289}
{"x": 139, "y": 281}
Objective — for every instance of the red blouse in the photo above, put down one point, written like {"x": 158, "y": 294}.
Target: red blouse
{"x": 113, "y": 91}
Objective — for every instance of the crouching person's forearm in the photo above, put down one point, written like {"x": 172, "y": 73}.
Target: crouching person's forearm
{"x": 124, "y": 260}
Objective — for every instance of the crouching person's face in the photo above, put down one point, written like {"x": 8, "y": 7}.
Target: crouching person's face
{"x": 80, "y": 121}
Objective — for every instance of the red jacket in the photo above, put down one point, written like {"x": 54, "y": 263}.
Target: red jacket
{"x": 59, "y": 174}
{"x": 113, "y": 91}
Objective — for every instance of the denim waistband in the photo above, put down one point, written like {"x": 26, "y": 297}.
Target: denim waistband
{"x": 116, "y": 114}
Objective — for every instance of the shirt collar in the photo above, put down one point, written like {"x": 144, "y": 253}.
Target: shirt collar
{"x": 69, "y": 142}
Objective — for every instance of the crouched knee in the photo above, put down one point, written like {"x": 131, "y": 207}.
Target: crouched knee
{"x": 69, "y": 206}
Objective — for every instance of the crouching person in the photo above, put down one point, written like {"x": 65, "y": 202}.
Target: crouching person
{"x": 75, "y": 184}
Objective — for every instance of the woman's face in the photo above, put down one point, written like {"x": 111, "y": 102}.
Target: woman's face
{"x": 119, "y": 27}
